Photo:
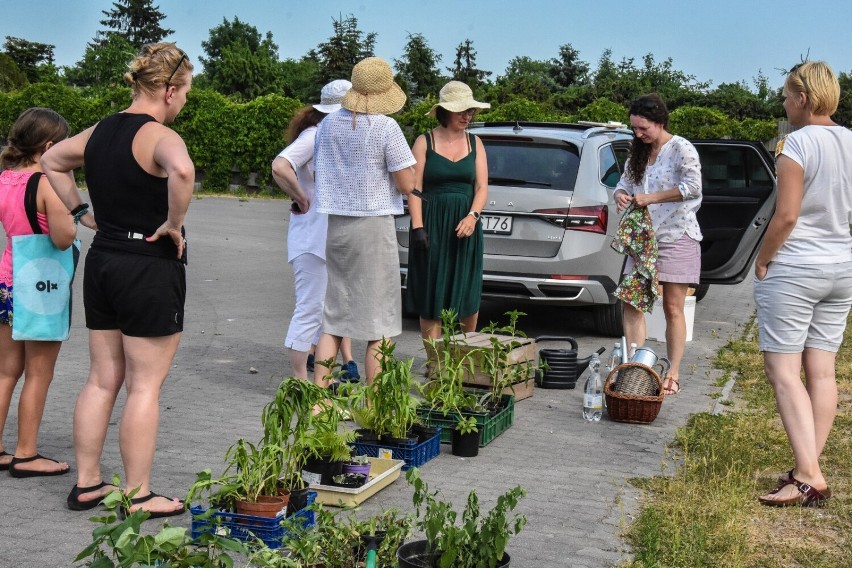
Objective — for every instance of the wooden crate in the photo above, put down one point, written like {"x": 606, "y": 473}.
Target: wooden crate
{"x": 521, "y": 390}
{"x": 467, "y": 342}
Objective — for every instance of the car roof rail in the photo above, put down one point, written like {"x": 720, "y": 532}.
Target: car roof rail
{"x": 522, "y": 124}
{"x": 596, "y": 128}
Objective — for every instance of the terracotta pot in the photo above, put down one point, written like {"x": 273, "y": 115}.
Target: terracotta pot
{"x": 266, "y": 506}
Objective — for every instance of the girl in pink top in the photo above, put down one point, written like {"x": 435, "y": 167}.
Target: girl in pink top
{"x": 36, "y": 130}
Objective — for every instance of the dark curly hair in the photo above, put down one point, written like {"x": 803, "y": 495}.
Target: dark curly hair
{"x": 653, "y": 108}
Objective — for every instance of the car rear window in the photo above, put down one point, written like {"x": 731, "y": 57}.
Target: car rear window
{"x": 532, "y": 165}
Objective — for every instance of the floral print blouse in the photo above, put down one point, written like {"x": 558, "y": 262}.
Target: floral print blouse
{"x": 677, "y": 166}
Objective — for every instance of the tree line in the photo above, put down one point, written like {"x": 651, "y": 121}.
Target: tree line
{"x": 241, "y": 72}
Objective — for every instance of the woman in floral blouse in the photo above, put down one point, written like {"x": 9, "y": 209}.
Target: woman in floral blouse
{"x": 664, "y": 174}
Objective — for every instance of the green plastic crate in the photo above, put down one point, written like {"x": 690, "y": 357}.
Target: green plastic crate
{"x": 490, "y": 426}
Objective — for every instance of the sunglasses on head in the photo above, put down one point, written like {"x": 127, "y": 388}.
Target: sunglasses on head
{"x": 795, "y": 69}
{"x": 179, "y": 63}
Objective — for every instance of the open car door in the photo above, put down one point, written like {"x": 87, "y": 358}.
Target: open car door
{"x": 739, "y": 193}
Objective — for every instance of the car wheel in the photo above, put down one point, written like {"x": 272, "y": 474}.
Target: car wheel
{"x": 701, "y": 291}
{"x": 608, "y": 319}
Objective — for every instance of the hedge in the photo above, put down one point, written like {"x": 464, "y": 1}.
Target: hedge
{"x": 224, "y": 136}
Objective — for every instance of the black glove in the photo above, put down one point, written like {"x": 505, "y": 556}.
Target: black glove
{"x": 419, "y": 239}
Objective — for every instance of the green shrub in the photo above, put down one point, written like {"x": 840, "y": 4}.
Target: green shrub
{"x": 699, "y": 122}
{"x": 602, "y": 110}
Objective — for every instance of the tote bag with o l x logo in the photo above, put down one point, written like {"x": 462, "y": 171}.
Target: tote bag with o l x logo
{"x": 41, "y": 286}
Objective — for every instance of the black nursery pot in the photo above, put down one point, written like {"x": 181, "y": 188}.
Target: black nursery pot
{"x": 298, "y": 500}
{"x": 422, "y": 433}
{"x": 416, "y": 554}
{"x": 325, "y": 468}
{"x": 466, "y": 445}
{"x": 366, "y": 436}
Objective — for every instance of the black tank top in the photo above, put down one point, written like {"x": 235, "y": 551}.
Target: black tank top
{"x": 128, "y": 201}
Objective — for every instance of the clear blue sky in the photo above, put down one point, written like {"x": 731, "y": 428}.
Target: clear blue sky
{"x": 720, "y": 41}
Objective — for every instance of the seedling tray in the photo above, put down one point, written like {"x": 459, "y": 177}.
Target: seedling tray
{"x": 414, "y": 455}
{"x": 248, "y": 527}
{"x": 383, "y": 472}
{"x": 490, "y": 426}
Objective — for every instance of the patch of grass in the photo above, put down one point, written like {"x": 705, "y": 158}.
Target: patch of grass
{"x": 707, "y": 514}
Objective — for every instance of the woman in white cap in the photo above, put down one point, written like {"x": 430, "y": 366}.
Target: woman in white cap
{"x": 445, "y": 241}
{"x": 293, "y": 171}
{"x": 363, "y": 166}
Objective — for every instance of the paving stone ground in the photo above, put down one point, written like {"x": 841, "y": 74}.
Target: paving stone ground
{"x": 239, "y": 300}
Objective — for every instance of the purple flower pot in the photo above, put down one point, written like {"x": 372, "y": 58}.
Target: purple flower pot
{"x": 357, "y": 468}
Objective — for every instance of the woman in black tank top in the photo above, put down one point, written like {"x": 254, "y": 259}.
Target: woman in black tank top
{"x": 140, "y": 179}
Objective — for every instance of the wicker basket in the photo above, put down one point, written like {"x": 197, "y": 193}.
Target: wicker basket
{"x": 630, "y": 403}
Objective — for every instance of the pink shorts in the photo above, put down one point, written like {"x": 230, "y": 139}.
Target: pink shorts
{"x": 678, "y": 262}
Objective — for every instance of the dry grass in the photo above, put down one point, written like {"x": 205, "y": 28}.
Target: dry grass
{"x": 707, "y": 514}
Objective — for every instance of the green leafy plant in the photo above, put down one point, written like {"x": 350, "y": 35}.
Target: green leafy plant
{"x": 119, "y": 542}
{"x": 467, "y": 425}
{"x": 501, "y": 371}
{"x": 251, "y": 471}
{"x": 388, "y": 405}
{"x": 338, "y": 539}
{"x": 451, "y": 364}
{"x": 480, "y": 540}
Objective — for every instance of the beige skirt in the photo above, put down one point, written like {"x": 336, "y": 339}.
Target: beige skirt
{"x": 363, "y": 295}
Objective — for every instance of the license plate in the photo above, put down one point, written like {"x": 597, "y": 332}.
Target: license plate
{"x": 497, "y": 224}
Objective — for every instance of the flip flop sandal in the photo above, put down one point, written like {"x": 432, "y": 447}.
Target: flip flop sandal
{"x": 808, "y": 496}
{"x": 154, "y": 514}
{"x": 5, "y": 466}
{"x": 674, "y": 390}
{"x": 14, "y": 471}
{"x": 785, "y": 477}
{"x": 74, "y": 502}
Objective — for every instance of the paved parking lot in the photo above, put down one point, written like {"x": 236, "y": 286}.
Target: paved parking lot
{"x": 239, "y": 300}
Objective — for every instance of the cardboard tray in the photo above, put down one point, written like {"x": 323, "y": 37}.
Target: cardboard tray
{"x": 383, "y": 472}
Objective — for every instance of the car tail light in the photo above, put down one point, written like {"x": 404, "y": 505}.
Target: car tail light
{"x": 592, "y": 219}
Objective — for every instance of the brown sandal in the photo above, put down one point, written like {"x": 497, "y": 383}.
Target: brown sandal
{"x": 808, "y": 496}
{"x": 671, "y": 391}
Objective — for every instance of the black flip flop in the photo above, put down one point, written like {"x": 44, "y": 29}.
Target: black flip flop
{"x": 5, "y": 466}
{"x": 154, "y": 514}
{"x": 74, "y": 502}
{"x": 15, "y": 472}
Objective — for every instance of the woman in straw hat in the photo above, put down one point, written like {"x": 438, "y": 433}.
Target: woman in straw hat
{"x": 293, "y": 171}
{"x": 363, "y": 167}
{"x": 445, "y": 242}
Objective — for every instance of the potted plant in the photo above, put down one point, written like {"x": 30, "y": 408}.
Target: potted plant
{"x": 387, "y": 407}
{"x": 120, "y": 542}
{"x": 288, "y": 424}
{"x": 502, "y": 373}
{"x": 341, "y": 540}
{"x": 466, "y": 437}
{"x": 480, "y": 540}
{"x": 249, "y": 484}
{"x": 358, "y": 464}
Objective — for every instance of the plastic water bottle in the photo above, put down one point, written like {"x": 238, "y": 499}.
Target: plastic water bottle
{"x": 616, "y": 358}
{"x": 593, "y": 396}
{"x": 632, "y": 351}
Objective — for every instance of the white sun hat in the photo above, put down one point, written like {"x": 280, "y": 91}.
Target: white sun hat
{"x": 332, "y": 95}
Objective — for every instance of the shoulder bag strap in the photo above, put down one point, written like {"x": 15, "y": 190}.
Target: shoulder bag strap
{"x": 30, "y": 202}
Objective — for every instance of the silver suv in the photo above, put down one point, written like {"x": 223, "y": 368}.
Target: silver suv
{"x": 550, "y": 215}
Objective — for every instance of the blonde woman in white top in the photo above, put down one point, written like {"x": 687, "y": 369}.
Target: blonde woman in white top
{"x": 803, "y": 277}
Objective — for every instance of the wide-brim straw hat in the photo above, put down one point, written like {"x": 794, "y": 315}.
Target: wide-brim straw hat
{"x": 332, "y": 95}
{"x": 373, "y": 90}
{"x": 456, "y": 96}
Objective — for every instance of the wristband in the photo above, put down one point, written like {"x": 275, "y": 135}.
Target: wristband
{"x": 474, "y": 214}
{"x": 81, "y": 207}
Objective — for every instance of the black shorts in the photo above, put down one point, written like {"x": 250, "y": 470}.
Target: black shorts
{"x": 143, "y": 296}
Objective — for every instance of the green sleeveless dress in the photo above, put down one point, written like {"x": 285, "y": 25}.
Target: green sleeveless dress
{"x": 449, "y": 274}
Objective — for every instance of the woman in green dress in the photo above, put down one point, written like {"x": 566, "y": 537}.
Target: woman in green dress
{"x": 445, "y": 241}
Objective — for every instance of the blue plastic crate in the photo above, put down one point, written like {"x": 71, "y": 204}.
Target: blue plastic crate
{"x": 414, "y": 455}
{"x": 248, "y": 527}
